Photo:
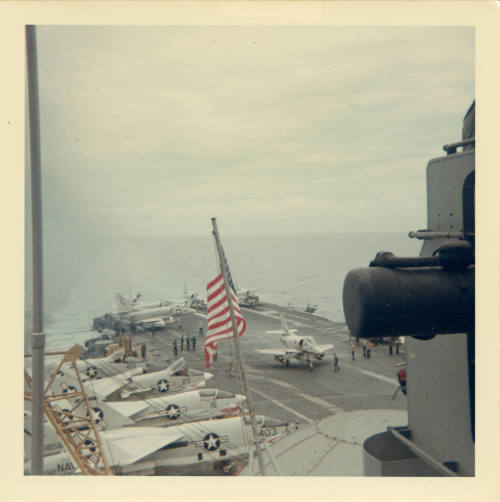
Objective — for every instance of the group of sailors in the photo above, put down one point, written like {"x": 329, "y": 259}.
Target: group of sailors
{"x": 367, "y": 345}
{"x": 190, "y": 343}
{"x": 190, "y": 340}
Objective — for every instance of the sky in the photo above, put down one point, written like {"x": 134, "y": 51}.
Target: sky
{"x": 154, "y": 130}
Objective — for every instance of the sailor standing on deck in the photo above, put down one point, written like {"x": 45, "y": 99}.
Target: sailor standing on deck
{"x": 364, "y": 348}
{"x": 201, "y": 328}
{"x": 402, "y": 380}
{"x": 352, "y": 350}
{"x": 182, "y": 342}
{"x": 175, "y": 347}
{"x": 369, "y": 347}
{"x": 335, "y": 362}
{"x": 188, "y": 343}
{"x": 193, "y": 342}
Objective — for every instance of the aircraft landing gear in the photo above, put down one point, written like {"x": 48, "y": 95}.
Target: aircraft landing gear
{"x": 287, "y": 363}
{"x": 227, "y": 467}
{"x": 311, "y": 367}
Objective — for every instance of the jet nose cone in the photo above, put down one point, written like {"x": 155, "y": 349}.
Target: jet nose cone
{"x": 240, "y": 398}
{"x": 207, "y": 376}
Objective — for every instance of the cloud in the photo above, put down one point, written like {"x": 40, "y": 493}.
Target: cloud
{"x": 271, "y": 125}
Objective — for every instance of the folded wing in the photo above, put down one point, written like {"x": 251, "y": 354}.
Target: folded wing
{"x": 130, "y": 444}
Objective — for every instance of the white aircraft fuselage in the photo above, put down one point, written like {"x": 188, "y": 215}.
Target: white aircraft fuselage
{"x": 179, "y": 408}
{"x": 304, "y": 344}
{"x": 210, "y": 441}
{"x": 302, "y": 348}
{"x": 248, "y": 298}
{"x": 144, "y": 450}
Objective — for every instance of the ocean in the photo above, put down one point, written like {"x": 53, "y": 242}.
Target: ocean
{"x": 80, "y": 280}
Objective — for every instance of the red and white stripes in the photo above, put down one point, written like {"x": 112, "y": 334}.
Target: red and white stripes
{"x": 219, "y": 318}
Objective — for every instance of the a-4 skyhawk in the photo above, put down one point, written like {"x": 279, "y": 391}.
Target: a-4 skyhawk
{"x": 302, "y": 348}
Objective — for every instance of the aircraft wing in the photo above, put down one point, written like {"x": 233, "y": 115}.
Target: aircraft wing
{"x": 324, "y": 348}
{"x": 129, "y": 444}
{"x": 129, "y": 408}
{"x": 160, "y": 321}
{"x": 278, "y": 352}
{"x": 106, "y": 386}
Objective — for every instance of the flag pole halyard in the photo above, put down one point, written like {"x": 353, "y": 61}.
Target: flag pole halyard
{"x": 239, "y": 355}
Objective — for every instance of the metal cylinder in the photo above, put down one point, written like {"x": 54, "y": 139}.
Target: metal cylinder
{"x": 37, "y": 338}
{"x": 380, "y": 301}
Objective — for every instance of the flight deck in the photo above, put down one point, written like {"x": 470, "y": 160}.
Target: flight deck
{"x": 294, "y": 394}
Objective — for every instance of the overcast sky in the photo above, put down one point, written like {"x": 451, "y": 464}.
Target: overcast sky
{"x": 271, "y": 129}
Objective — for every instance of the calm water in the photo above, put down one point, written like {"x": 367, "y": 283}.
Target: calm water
{"x": 80, "y": 280}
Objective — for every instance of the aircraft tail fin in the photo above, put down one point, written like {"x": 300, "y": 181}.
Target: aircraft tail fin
{"x": 176, "y": 366}
{"x": 117, "y": 354}
{"x": 122, "y": 302}
{"x": 107, "y": 417}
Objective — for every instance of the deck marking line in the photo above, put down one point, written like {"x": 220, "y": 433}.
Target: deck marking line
{"x": 268, "y": 313}
{"x": 272, "y": 314}
{"x": 313, "y": 399}
{"x": 275, "y": 401}
{"x": 376, "y": 375}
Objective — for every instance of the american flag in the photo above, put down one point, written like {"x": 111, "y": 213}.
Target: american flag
{"x": 219, "y": 318}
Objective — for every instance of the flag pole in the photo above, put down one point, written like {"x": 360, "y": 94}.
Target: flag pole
{"x": 239, "y": 355}
{"x": 37, "y": 335}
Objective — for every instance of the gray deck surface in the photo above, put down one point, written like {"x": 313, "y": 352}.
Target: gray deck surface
{"x": 349, "y": 405}
{"x": 330, "y": 413}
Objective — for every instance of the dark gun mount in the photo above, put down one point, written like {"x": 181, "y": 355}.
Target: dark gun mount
{"x": 420, "y": 297}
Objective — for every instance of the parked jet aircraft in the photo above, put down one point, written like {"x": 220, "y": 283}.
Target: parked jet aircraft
{"x": 172, "y": 379}
{"x": 149, "y": 316}
{"x": 153, "y": 323}
{"x": 148, "y": 450}
{"x": 101, "y": 366}
{"x": 248, "y": 298}
{"x": 193, "y": 301}
{"x": 303, "y": 348}
{"x": 183, "y": 407}
{"x": 135, "y": 303}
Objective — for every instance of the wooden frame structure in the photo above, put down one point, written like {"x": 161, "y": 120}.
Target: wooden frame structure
{"x": 75, "y": 425}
